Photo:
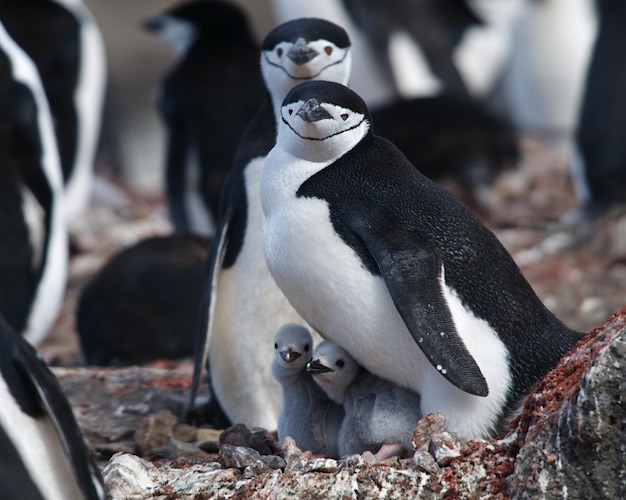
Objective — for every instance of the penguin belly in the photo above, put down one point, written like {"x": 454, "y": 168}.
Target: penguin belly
{"x": 347, "y": 304}
{"x": 250, "y": 309}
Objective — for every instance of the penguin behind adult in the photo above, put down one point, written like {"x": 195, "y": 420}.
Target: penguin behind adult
{"x": 217, "y": 78}
{"x": 398, "y": 272}
{"x": 380, "y": 416}
{"x": 43, "y": 451}
{"x": 143, "y": 304}
{"x": 243, "y": 308}
{"x": 452, "y": 138}
{"x": 33, "y": 232}
{"x": 63, "y": 40}
{"x": 600, "y": 163}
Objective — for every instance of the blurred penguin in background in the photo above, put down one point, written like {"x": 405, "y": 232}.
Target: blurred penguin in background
{"x": 600, "y": 162}
{"x": 63, "y": 40}
{"x": 33, "y": 232}
{"x": 143, "y": 304}
{"x": 43, "y": 454}
{"x": 205, "y": 101}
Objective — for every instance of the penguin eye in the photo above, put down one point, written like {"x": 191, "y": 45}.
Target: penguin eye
{"x": 328, "y": 50}
{"x": 290, "y": 112}
{"x": 275, "y": 346}
{"x": 340, "y": 363}
{"x": 344, "y": 116}
{"x": 279, "y": 51}
{"x": 307, "y": 347}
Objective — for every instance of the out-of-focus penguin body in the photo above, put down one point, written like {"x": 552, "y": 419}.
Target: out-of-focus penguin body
{"x": 216, "y": 79}
{"x": 600, "y": 138}
{"x": 143, "y": 304}
{"x": 43, "y": 452}
{"x": 33, "y": 231}
{"x": 63, "y": 40}
{"x": 354, "y": 235}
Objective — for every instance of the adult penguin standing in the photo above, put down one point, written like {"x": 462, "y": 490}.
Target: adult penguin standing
{"x": 398, "y": 272}
{"x": 216, "y": 78}
{"x": 243, "y": 307}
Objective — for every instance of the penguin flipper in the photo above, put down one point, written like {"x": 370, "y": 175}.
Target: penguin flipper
{"x": 40, "y": 395}
{"x": 412, "y": 269}
{"x": 212, "y": 267}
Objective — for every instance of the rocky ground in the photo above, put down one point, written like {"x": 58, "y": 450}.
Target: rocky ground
{"x": 577, "y": 268}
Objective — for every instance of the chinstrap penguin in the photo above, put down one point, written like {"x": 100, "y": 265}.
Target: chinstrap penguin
{"x": 33, "y": 231}
{"x": 63, "y": 40}
{"x": 43, "y": 450}
{"x": 306, "y": 413}
{"x": 380, "y": 416}
{"x": 398, "y": 272}
{"x": 143, "y": 304}
{"x": 217, "y": 77}
{"x": 243, "y": 308}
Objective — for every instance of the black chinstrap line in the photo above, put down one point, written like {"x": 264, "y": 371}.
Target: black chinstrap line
{"x": 305, "y": 77}
{"x": 322, "y": 138}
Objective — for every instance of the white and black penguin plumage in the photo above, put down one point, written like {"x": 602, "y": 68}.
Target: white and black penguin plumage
{"x": 43, "y": 453}
{"x": 33, "y": 231}
{"x": 243, "y": 307}
{"x": 600, "y": 163}
{"x": 63, "y": 40}
{"x": 217, "y": 77}
{"x": 398, "y": 272}
{"x": 307, "y": 414}
{"x": 380, "y": 416}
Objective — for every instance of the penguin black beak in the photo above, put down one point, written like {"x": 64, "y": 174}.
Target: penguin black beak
{"x": 301, "y": 53}
{"x": 312, "y": 111}
{"x": 315, "y": 366}
{"x": 289, "y": 355}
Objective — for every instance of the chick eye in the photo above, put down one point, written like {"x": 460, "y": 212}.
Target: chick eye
{"x": 307, "y": 347}
{"x": 344, "y": 116}
{"x": 279, "y": 51}
{"x": 340, "y": 363}
{"x": 328, "y": 50}
{"x": 275, "y": 346}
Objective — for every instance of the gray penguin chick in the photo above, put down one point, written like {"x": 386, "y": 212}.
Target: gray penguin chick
{"x": 380, "y": 415}
{"x": 306, "y": 413}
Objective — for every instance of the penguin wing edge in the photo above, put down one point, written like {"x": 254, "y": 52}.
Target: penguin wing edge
{"x": 213, "y": 264}
{"x": 411, "y": 267}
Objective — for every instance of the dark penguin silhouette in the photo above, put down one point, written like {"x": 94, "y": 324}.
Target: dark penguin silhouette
{"x": 398, "y": 272}
{"x": 451, "y": 137}
{"x": 600, "y": 138}
{"x": 143, "y": 305}
{"x": 64, "y": 42}
{"x": 33, "y": 234}
{"x": 43, "y": 451}
{"x": 243, "y": 308}
{"x": 434, "y": 26}
{"x": 205, "y": 101}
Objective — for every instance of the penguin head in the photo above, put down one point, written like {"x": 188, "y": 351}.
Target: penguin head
{"x": 217, "y": 21}
{"x": 333, "y": 369}
{"x": 321, "y": 121}
{"x": 293, "y": 346}
{"x": 304, "y": 49}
